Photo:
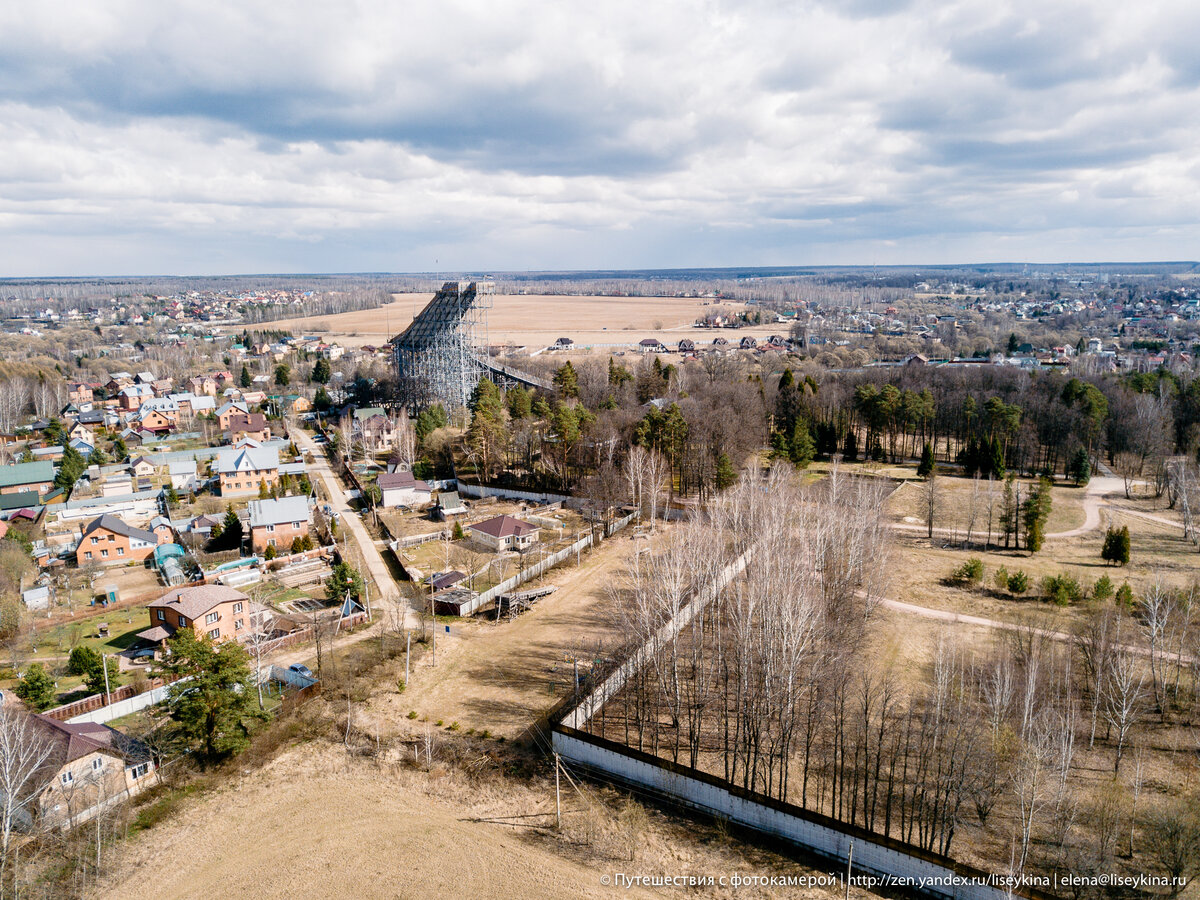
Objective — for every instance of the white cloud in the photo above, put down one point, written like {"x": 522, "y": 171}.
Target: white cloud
{"x": 205, "y": 137}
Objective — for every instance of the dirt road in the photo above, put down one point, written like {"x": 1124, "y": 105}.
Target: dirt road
{"x": 1093, "y": 501}
{"x": 348, "y": 519}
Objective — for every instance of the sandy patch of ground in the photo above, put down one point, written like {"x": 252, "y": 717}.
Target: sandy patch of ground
{"x": 315, "y": 825}
{"x": 501, "y": 677}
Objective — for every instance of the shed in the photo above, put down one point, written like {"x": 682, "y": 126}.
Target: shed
{"x": 36, "y": 597}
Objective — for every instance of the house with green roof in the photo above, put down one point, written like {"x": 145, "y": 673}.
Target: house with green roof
{"x": 21, "y": 478}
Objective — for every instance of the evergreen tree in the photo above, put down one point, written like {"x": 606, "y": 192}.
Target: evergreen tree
{"x": 82, "y": 660}
{"x": 244, "y": 378}
{"x": 520, "y": 402}
{"x": 283, "y": 375}
{"x": 996, "y": 458}
{"x": 850, "y": 447}
{"x": 344, "y": 579}
{"x": 93, "y": 678}
{"x": 801, "y": 449}
{"x": 36, "y": 687}
{"x": 322, "y": 402}
{"x": 488, "y": 431}
{"x": 70, "y": 467}
{"x": 321, "y": 371}
{"x": 1079, "y": 469}
{"x": 1034, "y": 514}
{"x": 212, "y": 697}
{"x": 231, "y": 528}
{"x": 1116, "y": 546}
{"x": 724, "y": 475}
{"x": 98, "y": 457}
{"x": 928, "y": 464}
{"x": 566, "y": 379}
{"x": 618, "y": 375}
{"x": 1013, "y": 344}
{"x": 119, "y": 451}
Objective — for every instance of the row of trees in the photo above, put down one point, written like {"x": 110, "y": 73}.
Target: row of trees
{"x": 779, "y": 688}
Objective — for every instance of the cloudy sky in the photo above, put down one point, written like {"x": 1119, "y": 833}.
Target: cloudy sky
{"x": 207, "y": 137}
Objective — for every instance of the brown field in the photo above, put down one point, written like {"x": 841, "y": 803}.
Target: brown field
{"x": 315, "y": 824}
{"x": 536, "y": 321}
{"x": 502, "y": 677}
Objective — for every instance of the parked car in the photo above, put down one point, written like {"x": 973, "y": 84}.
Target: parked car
{"x": 301, "y": 669}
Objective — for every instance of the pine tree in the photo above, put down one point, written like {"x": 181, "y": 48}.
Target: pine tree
{"x": 801, "y": 449}
{"x": 1034, "y": 514}
{"x": 566, "y": 379}
{"x": 724, "y": 475}
{"x": 1116, "y": 545}
{"x": 850, "y": 447}
{"x": 212, "y": 697}
{"x": 70, "y": 467}
{"x": 231, "y": 528}
{"x": 321, "y": 371}
{"x": 1080, "y": 468}
{"x": 36, "y": 687}
{"x": 928, "y": 464}
{"x": 244, "y": 378}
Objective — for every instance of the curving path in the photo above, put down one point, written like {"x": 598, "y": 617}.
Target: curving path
{"x": 1093, "y": 501}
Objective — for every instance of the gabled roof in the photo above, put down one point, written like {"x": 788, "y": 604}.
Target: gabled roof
{"x": 392, "y": 481}
{"x": 276, "y": 512}
{"x": 232, "y": 459}
{"x": 233, "y": 405}
{"x": 119, "y": 526}
{"x": 504, "y": 526}
{"x": 26, "y": 473}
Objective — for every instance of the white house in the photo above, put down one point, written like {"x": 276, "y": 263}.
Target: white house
{"x": 504, "y": 533}
{"x": 183, "y": 474}
{"x": 403, "y": 489}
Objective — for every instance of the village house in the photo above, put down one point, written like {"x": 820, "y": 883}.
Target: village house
{"x": 132, "y": 396}
{"x": 108, "y": 540}
{"x": 229, "y": 410}
{"x": 403, "y": 489}
{"x": 203, "y": 384}
{"x": 373, "y": 428}
{"x": 253, "y": 426}
{"x": 80, "y": 392}
{"x": 25, "y": 477}
{"x": 277, "y": 523}
{"x": 141, "y": 467}
{"x": 183, "y": 474}
{"x": 210, "y": 610}
{"x": 91, "y": 767}
{"x": 165, "y": 406}
{"x": 245, "y": 470}
{"x": 504, "y": 533}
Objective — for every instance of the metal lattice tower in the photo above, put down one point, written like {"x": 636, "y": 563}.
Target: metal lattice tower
{"x": 440, "y": 353}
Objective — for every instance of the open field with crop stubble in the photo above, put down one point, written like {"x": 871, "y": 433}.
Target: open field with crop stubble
{"x": 536, "y": 321}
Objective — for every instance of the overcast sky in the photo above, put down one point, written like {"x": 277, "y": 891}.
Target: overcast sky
{"x": 188, "y": 137}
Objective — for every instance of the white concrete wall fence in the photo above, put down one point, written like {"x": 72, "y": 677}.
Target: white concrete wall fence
{"x": 873, "y": 854}
{"x": 124, "y": 707}
{"x": 906, "y": 867}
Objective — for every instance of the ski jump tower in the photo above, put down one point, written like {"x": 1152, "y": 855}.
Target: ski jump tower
{"x": 441, "y": 354}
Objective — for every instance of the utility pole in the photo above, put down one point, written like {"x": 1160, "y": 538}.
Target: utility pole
{"x": 407, "y": 651}
{"x": 849, "y": 863}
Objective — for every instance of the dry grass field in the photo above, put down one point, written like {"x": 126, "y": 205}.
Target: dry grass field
{"x": 536, "y": 321}
{"x": 502, "y": 677}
